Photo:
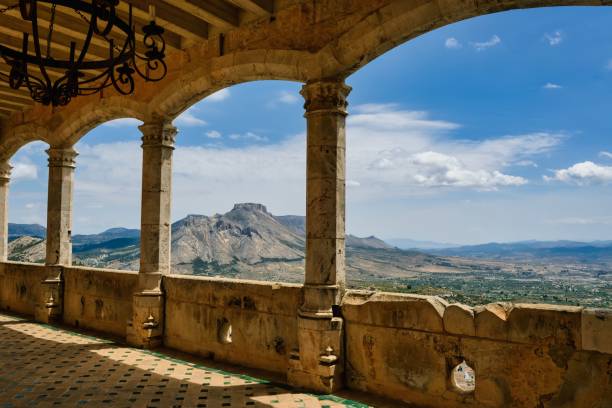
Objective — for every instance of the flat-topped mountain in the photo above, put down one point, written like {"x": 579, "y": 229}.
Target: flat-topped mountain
{"x": 248, "y": 233}
{"x": 247, "y": 236}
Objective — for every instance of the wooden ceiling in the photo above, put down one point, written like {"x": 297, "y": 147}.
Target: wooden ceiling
{"x": 185, "y": 22}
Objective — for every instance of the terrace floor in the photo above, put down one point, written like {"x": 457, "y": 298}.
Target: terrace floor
{"x": 47, "y": 366}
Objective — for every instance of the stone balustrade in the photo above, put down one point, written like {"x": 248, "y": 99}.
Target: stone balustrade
{"x": 398, "y": 346}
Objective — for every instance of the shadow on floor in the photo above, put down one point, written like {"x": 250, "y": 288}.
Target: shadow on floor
{"x": 47, "y": 366}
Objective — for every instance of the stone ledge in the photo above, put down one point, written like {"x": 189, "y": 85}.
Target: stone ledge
{"x": 597, "y": 330}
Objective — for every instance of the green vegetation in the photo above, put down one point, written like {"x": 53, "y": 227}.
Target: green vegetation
{"x": 477, "y": 289}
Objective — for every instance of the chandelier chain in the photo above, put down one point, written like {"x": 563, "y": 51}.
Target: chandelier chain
{"x": 50, "y": 34}
{"x": 117, "y": 48}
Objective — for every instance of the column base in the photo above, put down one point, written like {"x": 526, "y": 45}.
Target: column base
{"x": 50, "y": 303}
{"x": 146, "y": 328}
{"x": 318, "y": 364}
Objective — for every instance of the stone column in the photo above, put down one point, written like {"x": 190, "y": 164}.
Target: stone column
{"x": 146, "y": 328}
{"x": 318, "y": 362}
{"x": 59, "y": 231}
{"x": 5, "y": 176}
{"x": 59, "y": 206}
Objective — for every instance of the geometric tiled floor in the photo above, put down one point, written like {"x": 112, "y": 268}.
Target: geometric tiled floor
{"x": 44, "y": 366}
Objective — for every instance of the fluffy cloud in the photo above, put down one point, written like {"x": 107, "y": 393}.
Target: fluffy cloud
{"x": 583, "y": 174}
{"x": 607, "y": 155}
{"x": 24, "y": 171}
{"x": 188, "y": 118}
{"x": 288, "y": 97}
{"x": 492, "y": 42}
{"x": 609, "y": 65}
{"x": 452, "y": 43}
{"x": 218, "y": 96}
{"x": 124, "y": 122}
{"x": 552, "y": 86}
{"x": 213, "y": 134}
{"x": 248, "y": 136}
{"x": 555, "y": 38}
{"x": 392, "y": 153}
{"x": 438, "y": 170}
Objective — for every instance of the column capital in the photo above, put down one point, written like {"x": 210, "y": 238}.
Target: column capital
{"x": 5, "y": 172}
{"x": 62, "y": 157}
{"x": 158, "y": 134}
{"x": 326, "y": 95}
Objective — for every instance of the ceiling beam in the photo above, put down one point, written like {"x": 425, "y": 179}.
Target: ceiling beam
{"x": 262, "y": 8}
{"x": 171, "y": 18}
{"x": 216, "y": 12}
{"x": 16, "y": 27}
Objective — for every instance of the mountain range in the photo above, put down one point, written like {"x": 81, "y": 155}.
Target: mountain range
{"x": 248, "y": 242}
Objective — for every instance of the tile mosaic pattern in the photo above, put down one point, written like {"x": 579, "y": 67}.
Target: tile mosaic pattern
{"x": 45, "y": 366}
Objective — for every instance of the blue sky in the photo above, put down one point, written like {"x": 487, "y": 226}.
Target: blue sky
{"x": 493, "y": 129}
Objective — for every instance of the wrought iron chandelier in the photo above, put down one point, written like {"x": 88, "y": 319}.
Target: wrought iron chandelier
{"x": 56, "y": 79}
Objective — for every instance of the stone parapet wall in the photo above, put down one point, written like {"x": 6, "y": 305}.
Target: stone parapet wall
{"x": 262, "y": 316}
{"x": 20, "y": 287}
{"x": 523, "y": 355}
{"x": 99, "y": 299}
{"x": 398, "y": 346}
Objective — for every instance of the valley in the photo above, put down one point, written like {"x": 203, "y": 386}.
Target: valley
{"x": 248, "y": 242}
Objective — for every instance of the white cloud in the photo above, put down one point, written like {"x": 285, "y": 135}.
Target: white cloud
{"x": 607, "y": 155}
{"x": 583, "y": 174}
{"x": 452, "y": 43}
{"x": 526, "y": 163}
{"x": 492, "y": 42}
{"x": 24, "y": 171}
{"x": 189, "y": 119}
{"x": 609, "y": 65}
{"x": 551, "y": 85}
{"x": 248, "y": 136}
{"x": 392, "y": 153}
{"x": 555, "y": 38}
{"x": 288, "y": 97}
{"x": 435, "y": 169}
{"x": 605, "y": 220}
{"x": 213, "y": 134}
{"x": 218, "y": 96}
{"x": 124, "y": 122}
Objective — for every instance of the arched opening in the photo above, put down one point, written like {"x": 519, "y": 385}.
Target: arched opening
{"x": 239, "y": 184}
{"x": 106, "y": 220}
{"x": 27, "y": 204}
{"x": 477, "y": 133}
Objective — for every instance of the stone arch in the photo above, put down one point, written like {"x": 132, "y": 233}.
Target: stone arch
{"x": 77, "y": 123}
{"x": 20, "y": 136}
{"x": 222, "y": 72}
{"x": 401, "y": 21}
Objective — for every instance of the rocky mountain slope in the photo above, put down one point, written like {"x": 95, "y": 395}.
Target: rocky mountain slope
{"x": 246, "y": 240}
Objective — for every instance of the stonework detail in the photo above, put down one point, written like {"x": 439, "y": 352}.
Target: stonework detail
{"x": 5, "y": 172}
{"x": 59, "y": 157}
{"x": 158, "y": 134}
{"x": 325, "y": 96}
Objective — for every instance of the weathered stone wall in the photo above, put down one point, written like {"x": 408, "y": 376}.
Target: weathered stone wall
{"x": 405, "y": 346}
{"x": 20, "y": 286}
{"x": 263, "y": 319}
{"x": 99, "y": 299}
{"x": 396, "y": 345}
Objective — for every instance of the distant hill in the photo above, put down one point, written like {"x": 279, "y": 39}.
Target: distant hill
{"x": 407, "y": 243}
{"x": 30, "y": 230}
{"x": 535, "y": 251}
{"x": 109, "y": 234}
{"x": 247, "y": 237}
